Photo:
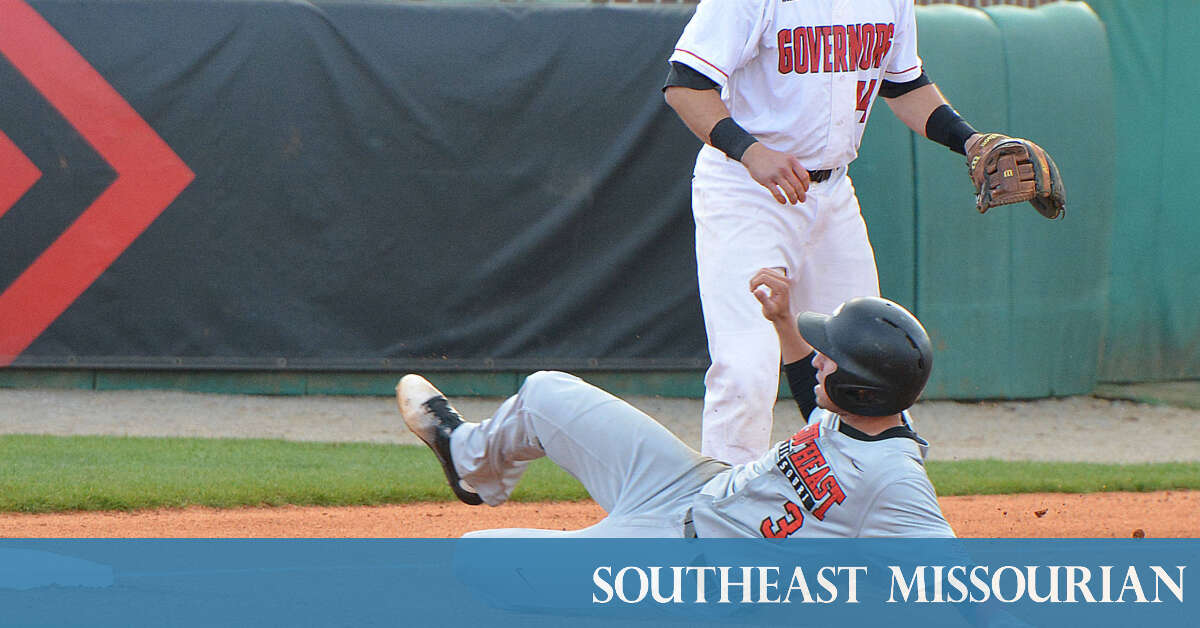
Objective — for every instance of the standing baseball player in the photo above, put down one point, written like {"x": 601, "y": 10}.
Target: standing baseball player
{"x": 855, "y": 470}
{"x": 780, "y": 92}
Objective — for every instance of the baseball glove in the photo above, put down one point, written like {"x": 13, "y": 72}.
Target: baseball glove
{"x": 1009, "y": 170}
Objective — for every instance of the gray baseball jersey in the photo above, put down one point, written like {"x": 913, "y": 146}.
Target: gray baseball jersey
{"x": 826, "y": 481}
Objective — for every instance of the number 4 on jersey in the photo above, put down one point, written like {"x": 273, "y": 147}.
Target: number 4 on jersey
{"x": 865, "y": 91}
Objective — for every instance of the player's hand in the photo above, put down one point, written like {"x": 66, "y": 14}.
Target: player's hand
{"x": 781, "y": 173}
{"x": 770, "y": 286}
{"x": 971, "y": 142}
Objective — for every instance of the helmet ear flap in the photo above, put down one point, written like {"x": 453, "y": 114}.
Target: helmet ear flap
{"x": 865, "y": 395}
{"x": 860, "y": 399}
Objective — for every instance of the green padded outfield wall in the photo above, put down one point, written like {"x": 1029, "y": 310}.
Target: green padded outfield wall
{"x": 1063, "y": 96}
{"x": 1015, "y": 304}
{"x": 1154, "y": 307}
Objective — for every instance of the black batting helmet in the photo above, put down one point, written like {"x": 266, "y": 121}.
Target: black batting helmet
{"x": 882, "y": 352}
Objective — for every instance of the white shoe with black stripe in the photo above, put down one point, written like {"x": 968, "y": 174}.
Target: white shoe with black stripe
{"x": 429, "y": 415}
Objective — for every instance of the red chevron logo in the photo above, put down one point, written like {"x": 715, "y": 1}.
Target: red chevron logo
{"x": 19, "y": 173}
{"x": 149, "y": 176}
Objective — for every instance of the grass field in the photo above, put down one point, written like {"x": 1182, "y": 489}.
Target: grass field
{"x": 54, "y": 473}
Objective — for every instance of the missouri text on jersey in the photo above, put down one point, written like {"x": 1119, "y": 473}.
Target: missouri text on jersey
{"x": 803, "y": 464}
{"x": 834, "y": 48}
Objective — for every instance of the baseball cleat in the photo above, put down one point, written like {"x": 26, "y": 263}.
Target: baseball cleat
{"x": 429, "y": 415}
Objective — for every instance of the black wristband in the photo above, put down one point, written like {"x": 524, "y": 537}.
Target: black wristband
{"x": 948, "y": 128}
{"x": 730, "y": 138}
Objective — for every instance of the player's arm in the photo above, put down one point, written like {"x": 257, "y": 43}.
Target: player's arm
{"x": 770, "y": 286}
{"x": 921, "y": 106}
{"x": 905, "y": 506}
{"x": 1032, "y": 176}
{"x": 697, "y": 100}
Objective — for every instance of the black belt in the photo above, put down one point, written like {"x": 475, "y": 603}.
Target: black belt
{"x": 817, "y": 176}
{"x": 689, "y": 528}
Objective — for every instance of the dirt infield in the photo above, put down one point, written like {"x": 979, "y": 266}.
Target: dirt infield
{"x": 1043, "y": 515}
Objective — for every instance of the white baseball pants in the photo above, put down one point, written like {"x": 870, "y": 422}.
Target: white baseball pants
{"x": 823, "y": 246}
{"x": 637, "y": 470}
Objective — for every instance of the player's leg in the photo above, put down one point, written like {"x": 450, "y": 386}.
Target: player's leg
{"x": 839, "y": 262}
{"x": 631, "y": 465}
{"x": 733, "y": 241}
{"x": 832, "y": 257}
{"x": 740, "y": 389}
{"x": 621, "y": 455}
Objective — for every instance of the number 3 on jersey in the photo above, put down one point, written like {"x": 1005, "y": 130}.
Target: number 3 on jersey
{"x": 865, "y": 91}
{"x": 784, "y": 526}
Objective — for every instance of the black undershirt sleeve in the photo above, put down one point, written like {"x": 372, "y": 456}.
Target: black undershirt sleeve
{"x": 888, "y": 89}
{"x": 801, "y": 377}
{"x": 682, "y": 75}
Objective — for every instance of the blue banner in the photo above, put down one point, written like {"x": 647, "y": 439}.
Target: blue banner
{"x": 547, "y": 582}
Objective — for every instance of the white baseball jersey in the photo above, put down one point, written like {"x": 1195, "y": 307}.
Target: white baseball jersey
{"x": 802, "y": 75}
{"x": 820, "y": 483}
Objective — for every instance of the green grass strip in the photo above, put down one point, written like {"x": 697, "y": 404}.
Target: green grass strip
{"x": 52, "y": 473}
{"x": 993, "y": 477}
